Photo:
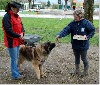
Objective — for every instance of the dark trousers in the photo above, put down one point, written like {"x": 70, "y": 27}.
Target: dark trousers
{"x": 83, "y": 55}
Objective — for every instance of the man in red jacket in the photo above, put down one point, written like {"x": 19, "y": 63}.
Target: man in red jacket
{"x": 13, "y": 35}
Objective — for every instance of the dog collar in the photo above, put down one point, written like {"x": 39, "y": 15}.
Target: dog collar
{"x": 40, "y": 60}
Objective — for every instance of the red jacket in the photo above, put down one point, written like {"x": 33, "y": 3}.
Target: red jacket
{"x": 12, "y": 27}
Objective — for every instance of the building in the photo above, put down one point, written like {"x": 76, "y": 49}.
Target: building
{"x": 36, "y": 6}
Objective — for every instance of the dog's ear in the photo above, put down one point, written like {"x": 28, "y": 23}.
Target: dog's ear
{"x": 48, "y": 42}
{"x": 52, "y": 46}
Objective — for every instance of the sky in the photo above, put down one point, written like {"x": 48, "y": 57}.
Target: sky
{"x": 56, "y": 1}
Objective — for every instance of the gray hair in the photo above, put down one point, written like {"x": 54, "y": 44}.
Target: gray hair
{"x": 78, "y": 13}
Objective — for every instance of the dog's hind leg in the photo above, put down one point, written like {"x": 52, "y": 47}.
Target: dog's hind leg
{"x": 36, "y": 68}
{"x": 20, "y": 61}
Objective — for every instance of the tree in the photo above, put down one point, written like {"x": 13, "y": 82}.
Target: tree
{"x": 29, "y": 3}
{"x": 48, "y": 3}
{"x": 66, "y": 5}
{"x": 43, "y": 4}
{"x": 55, "y": 6}
{"x": 33, "y": 4}
{"x": 88, "y": 9}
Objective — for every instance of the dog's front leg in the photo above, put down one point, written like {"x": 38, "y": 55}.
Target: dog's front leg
{"x": 41, "y": 71}
{"x": 36, "y": 68}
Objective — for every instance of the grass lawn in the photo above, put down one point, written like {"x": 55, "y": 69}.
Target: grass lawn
{"x": 49, "y": 28}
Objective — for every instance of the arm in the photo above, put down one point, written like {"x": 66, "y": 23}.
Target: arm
{"x": 23, "y": 31}
{"x": 23, "y": 28}
{"x": 90, "y": 30}
{"x": 65, "y": 31}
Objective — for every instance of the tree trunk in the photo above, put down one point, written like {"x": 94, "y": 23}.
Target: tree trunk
{"x": 66, "y": 5}
{"x": 29, "y": 3}
{"x": 88, "y": 9}
{"x": 33, "y": 4}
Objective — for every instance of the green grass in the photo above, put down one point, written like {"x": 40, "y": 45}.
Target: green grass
{"x": 49, "y": 28}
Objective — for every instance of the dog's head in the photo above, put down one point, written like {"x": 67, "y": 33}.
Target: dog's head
{"x": 48, "y": 46}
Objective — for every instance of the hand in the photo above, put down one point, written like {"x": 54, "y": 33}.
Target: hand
{"x": 57, "y": 37}
{"x": 86, "y": 38}
{"x": 21, "y": 37}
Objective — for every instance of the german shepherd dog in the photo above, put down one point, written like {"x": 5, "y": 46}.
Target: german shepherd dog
{"x": 37, "y": 55}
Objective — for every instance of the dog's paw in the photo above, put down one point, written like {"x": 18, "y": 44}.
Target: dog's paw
{"x": 43, "y": 75}
{"x": 21, "y": 72}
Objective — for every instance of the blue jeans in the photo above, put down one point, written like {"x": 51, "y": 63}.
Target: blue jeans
{"x": 14, "y": 54}
{"x": 83, "y": 55}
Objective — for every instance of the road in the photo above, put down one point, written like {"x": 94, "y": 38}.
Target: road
{"x": 49, "y": 15}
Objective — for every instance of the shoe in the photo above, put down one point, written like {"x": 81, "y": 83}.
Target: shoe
{"x": 77, "y": 71}
{"x": 19, "y": 78}
{"x": 84, "y": 73}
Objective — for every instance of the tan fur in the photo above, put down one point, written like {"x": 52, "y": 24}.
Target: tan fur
{"x": 38, "y": 58}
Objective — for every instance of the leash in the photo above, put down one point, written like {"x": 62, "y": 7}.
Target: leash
{"x": 45, "y": 35}
{"x": 58, "y": 43}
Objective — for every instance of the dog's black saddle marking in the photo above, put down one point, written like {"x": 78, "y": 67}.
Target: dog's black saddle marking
{"x": 27, "y": 53}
